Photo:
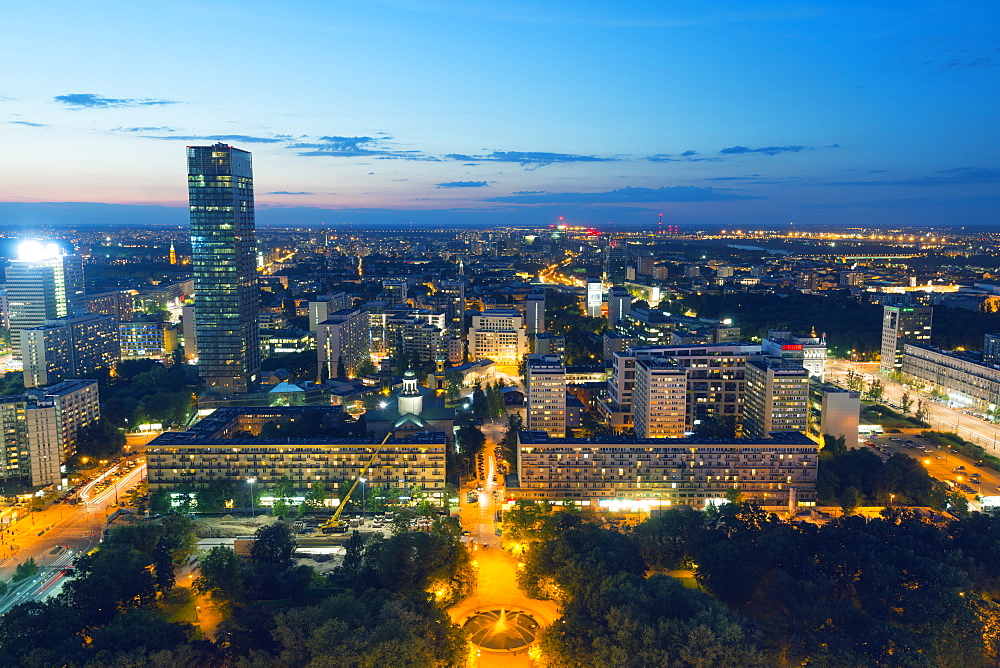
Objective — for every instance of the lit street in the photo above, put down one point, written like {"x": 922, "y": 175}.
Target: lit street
{"x": 55, "y": 536}
{"x": 497, "y": 569}
{"x": 940, "y": 417}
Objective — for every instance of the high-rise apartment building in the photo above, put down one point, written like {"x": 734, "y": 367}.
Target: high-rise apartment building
{"x": 902, "y": 325}
{"x": 715, "y": 380}
{"x": 777, "y": 397}
{"x": 117, "y": 303}
{"x": 40, "y": 430}
{"x": 342, "y": 342}
{"x": 545, "y": 393}
{"x": 224, "y": 259}
{"x": 321, "y": 307}
{"x": 659, "y": 398}
{"x": 42, "y": 283}
{"x": 72, "y": 347}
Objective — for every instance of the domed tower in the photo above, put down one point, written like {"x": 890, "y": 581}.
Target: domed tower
{"x": 410, "y": 401}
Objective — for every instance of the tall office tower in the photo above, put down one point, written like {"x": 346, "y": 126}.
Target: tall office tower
{"x": 42, "y": 283}
{"x": 454, "y": 294}
{"x": 342, "y": 342}
{"x": 224, "y": 258}
{"x": 75, "y": 346}
{"x": 534, "y": 313}
{"x": 903, "y": 324}
{"x": 395, "y": 290}
{"x": 594, "y": 297}
{"x": 991, "y": 349}
{"x": 659, "y": 398}
{"x": 619, "y": 305}
{"x": 545, "y": 385}
{"x": 777, "y": 397}
{"x": 615, "y": 262}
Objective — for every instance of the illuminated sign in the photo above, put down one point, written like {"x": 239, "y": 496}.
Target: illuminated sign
{"x": 791, "y": 346}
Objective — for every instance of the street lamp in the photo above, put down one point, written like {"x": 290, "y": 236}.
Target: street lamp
{"x": 363, "y": 481}
{"x": 253, "y": 510}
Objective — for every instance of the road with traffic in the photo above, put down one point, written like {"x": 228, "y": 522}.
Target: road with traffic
{"x": 54, "y": 537}
{"x": 939, "y": 416}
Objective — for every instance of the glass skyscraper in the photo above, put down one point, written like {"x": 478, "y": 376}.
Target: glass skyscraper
{"x": 224, "y": 259}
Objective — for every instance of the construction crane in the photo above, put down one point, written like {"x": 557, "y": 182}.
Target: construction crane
{"x": 335, "y": 524}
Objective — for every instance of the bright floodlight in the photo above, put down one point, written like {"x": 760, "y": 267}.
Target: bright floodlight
{"x": 251, "y": 480}
{"x": 33, "y": 251}
{"x": 382, "y": 404}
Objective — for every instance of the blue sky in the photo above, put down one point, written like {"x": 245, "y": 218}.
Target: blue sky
{"x": 737, "y": 114}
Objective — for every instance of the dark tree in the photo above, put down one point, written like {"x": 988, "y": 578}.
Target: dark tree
{"x": 273, "y": 545}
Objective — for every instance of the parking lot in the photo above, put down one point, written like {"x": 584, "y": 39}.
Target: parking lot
{"x": 959, "y": 472}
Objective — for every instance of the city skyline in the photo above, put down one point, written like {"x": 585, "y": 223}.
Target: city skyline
{"x": 440, "y": 113}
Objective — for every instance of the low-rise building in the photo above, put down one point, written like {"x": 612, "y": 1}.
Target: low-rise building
{"x": 147, "y": 339}
{"x": 834, "y": 411}
{"x": 217, "y": 448}
{"x": 967, "y": 380}
{"x": 606, "y": 471}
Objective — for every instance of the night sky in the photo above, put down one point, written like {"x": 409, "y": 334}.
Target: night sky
{"x": 740, "y": 114}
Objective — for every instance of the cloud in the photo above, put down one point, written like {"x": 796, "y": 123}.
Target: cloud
{"x": 529, "y": 192}
{"x": 286, "y": 192}
{"x": 462, "y": 184}
{"x": 629, "y": 195}
{"x": 913, "y": 202}
{"x": 93, "y": 101}
{"x": 357, "y": 147}
{"x": 29, "y": 124}
{"x": 528, "y": 158}
{"x": 766, "y": 150}
{"x": 686, "y": 156}
{"x": 161, "y": 128}
{"x": 245, "y": 139}
{"x": 752, "y": 177}
{"x": 980, "y": 62}
{"x": 947, "y": 177}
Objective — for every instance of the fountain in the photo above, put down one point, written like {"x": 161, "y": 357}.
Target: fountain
{"x": 501, "y": 630}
